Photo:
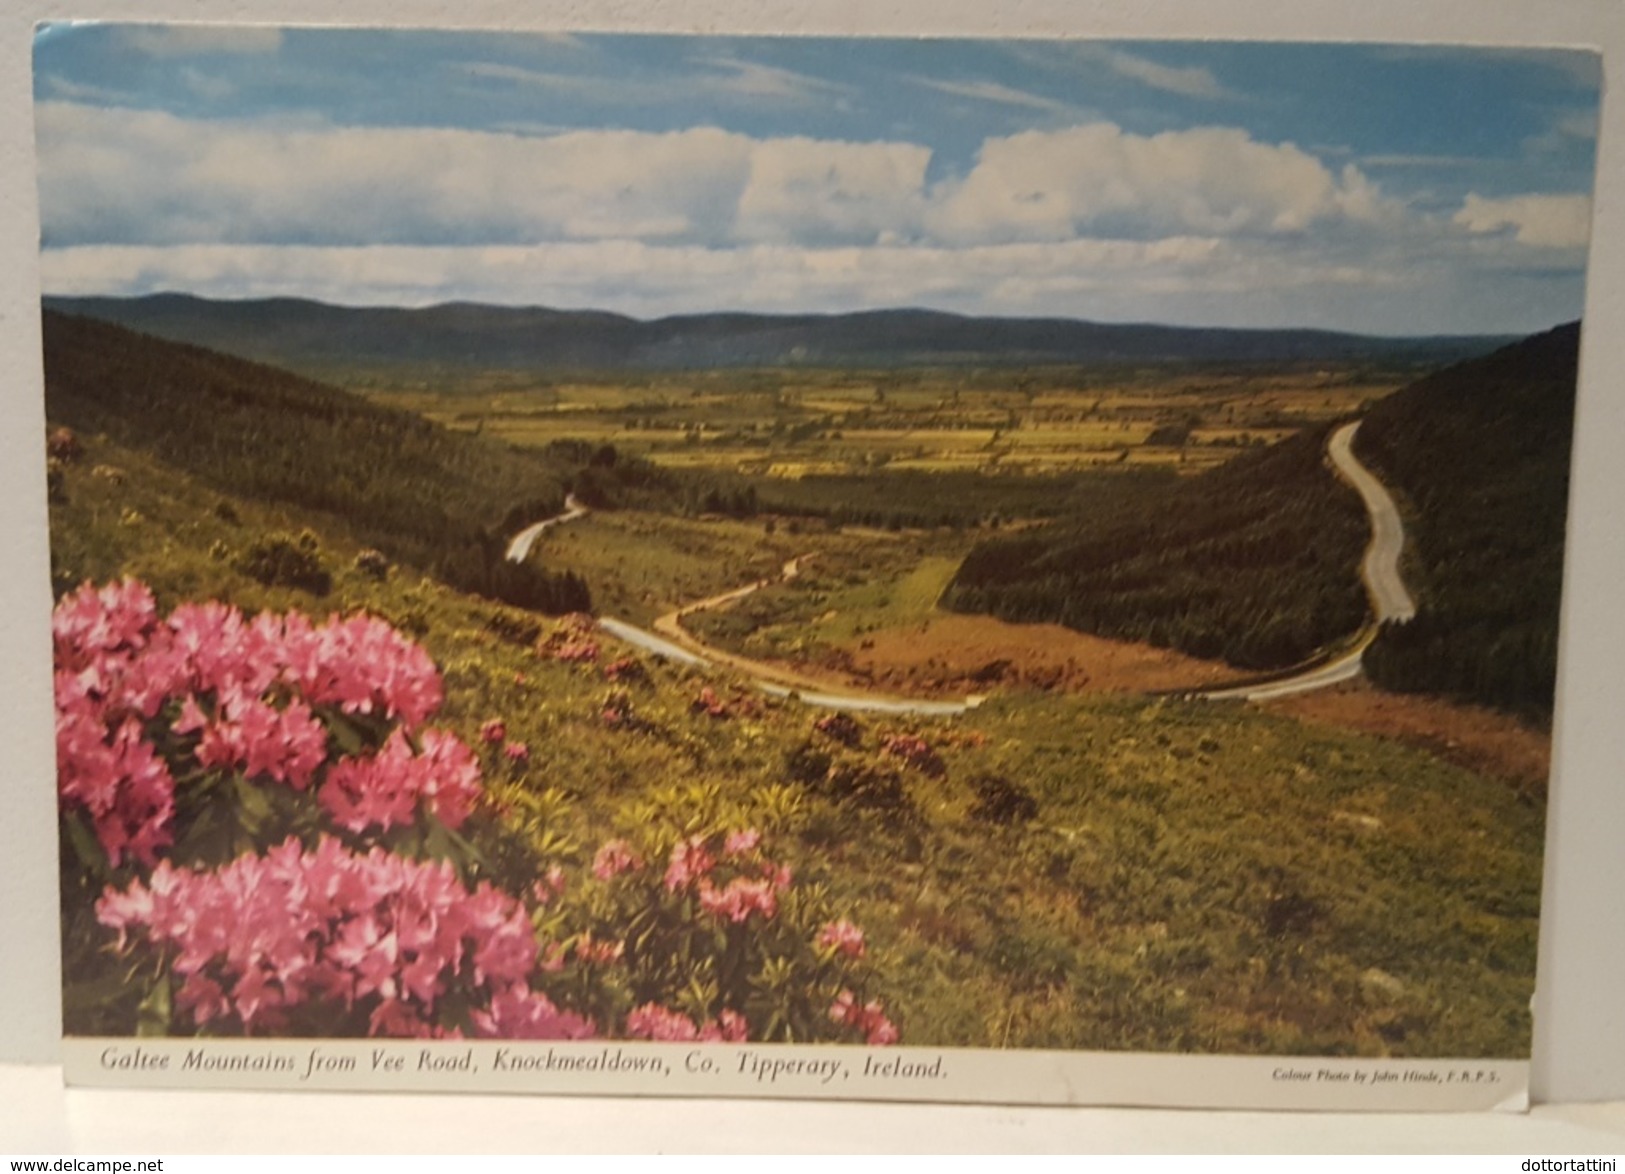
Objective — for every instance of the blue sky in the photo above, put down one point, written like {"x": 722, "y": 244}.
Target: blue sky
{"x": 1392, "y": 189}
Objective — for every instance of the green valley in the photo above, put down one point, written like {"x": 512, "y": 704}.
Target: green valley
{"x": 1057, "y": 867}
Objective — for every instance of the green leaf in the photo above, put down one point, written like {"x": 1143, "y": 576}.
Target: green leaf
{"x": 460, "y": 846}
{"x": 253, "y": 805}
{"x": 343, "y": 730}
{"x": 156, "y": 1010}
{"x": 86, "y": 848}
{"x": 92, "y": 995}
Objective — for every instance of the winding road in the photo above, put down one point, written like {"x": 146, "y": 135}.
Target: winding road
{"x": 519, "y": 548}
{"x": 671, "y": 639}
{"x": 1390, "y": 601}
{"x": 1379, "y": 570}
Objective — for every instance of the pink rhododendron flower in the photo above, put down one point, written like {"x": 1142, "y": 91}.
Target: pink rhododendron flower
{"x": 730, "y": 1026}
{"x": 517, "y": 1012}
{"x": 915, "y": 751}
{"x": 247, "y": 691}
{"x": 690, "y": 861}
{"x": 263, "y": 937}
{"x": 652, "y": 1021}
{"x": 122, "y": 784}
{"x": 878, "y": 1031}
{"x": 547, "y": 888}
{"x": 386, "y": 789}
{"x": 869, "y": 1019}
{"x": 707, "y": 702}
{"x": 624, "y": 666}
{"x": 119, "y": 617}
{"x": 494, "y": 730}
{"x": 365, "y": 666}
{"x": 614, "y": 858}
{"x": 738, "y": 843}
{"x": 516, "y": 752}
{"x": 598, "y": 953}
{"x": 842, "y": 937}
{"x": 285, "y": 745}
{"x": 577, "y": 651}
{"x": 739, "y": 899}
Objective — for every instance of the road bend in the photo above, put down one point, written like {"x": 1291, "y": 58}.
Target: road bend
{"x": 1379, "y": 570}
{"x": 519, "y": 548}
{"x": 671, "y": 639}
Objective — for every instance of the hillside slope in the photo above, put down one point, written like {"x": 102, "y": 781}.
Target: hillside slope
{"x": 315, "y": 337}
{"x": 1051, "y": 871}
{"x": 1481, "y": 453}
{"x": 1255, "y": 562}
{"x": 440, "y": 501}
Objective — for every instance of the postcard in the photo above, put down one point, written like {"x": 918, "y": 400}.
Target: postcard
{"x": 921, "y": 569}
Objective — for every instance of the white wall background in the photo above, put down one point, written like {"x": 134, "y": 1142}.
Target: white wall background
{"x": 1580, "y": 1005}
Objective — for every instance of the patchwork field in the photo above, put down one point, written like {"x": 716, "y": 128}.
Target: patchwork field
{"x": 791, "y": 424}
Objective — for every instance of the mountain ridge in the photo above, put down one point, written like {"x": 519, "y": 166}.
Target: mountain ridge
{"x": 304, "y": 334}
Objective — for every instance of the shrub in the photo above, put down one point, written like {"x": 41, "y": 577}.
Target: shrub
{"x": 916, "y": 752}
{"x": 513, "y": 627}
{"x": 842, "y": 727}
{"x": 63, "y": 445}
{"x": 373, "y": 563}
{"x": 850, "y": 780}
{"x": 1000, "y": 801}
{"x": 285, "y": 560}
{"x": 259, "y": 812}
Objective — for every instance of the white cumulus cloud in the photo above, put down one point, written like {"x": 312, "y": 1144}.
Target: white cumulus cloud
{"x": 1098, "y": 178}
{"x": 806, "y": 190}
{"x": 130, "y": 177}
{"x": 1542, "y": 221}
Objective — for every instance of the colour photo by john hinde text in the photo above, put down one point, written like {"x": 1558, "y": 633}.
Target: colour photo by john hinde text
{"x": 950, "y": 544}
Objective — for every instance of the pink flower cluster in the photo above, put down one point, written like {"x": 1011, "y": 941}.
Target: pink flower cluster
{"x": 652, "y": 1021}
{"x": 596, "y": 952}
{"x": 870, "y": 1019}
{"x": 707, "y": 702}
{"x": 385, "y": 789}
{"x": 262, "y": 936}
{"x": 614, "y": 858}
{"x": 121, "y": 782}
{"x": 841, "y": 727}
{"x": 842, "y": 937}
{"x": 494, "y": 732}
{"x": 625, "y": 668}
{"x": 915, "y": 751}
{"x": 754, "y": 887}
{"x": 571, "y": 639}
{"x": 247, "y": 692}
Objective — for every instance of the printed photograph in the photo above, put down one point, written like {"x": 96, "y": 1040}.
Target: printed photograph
{"x": 1030, "y": 544}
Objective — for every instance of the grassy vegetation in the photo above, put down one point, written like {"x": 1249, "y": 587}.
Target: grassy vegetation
{"x": 866, "y": 446}
{"x": 1050, "y": 870}
{"x": 845, "y": 590}
{"x": 1480, "y": 454}
{"x": 1181, "y": 876}
{"x": 383, "y": 477}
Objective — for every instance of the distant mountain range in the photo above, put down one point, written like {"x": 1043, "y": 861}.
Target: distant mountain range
{"x": 312, "y": 337}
